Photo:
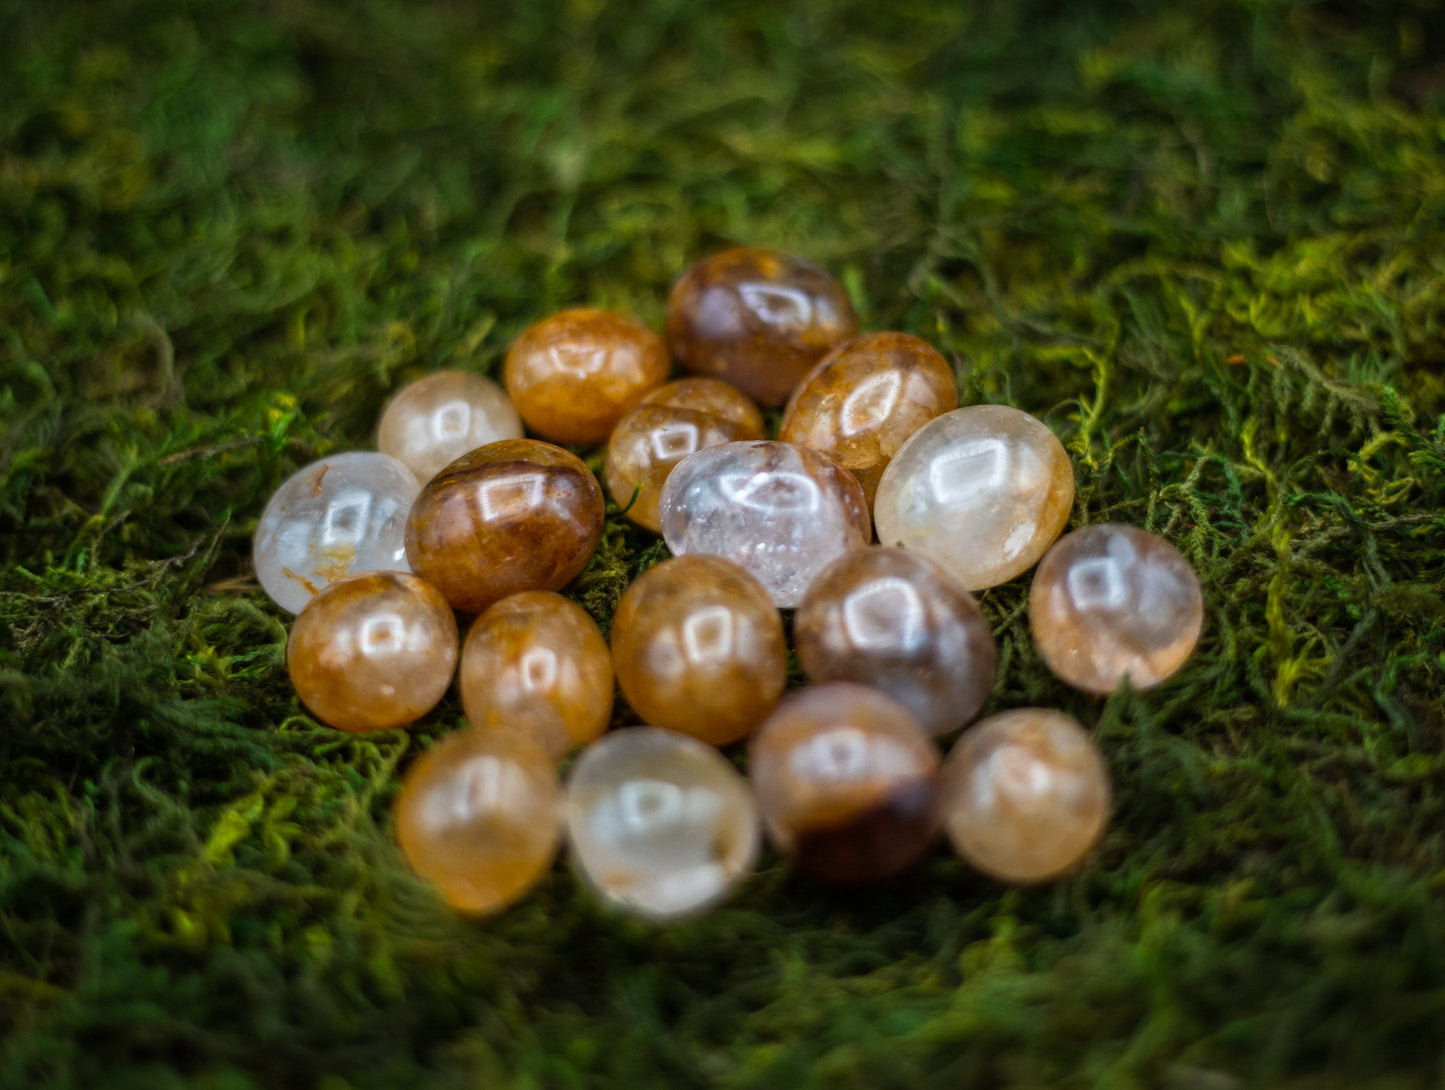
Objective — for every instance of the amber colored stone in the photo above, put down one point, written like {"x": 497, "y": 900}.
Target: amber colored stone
{"x": 897, "y": 622}
{"x": 664, "y": 428}
{"x": 373, "y": 651}
{"x": 1025, "y": 795}
{"x": 480, "y": 817}
{"x": 575, "y": 374}
{"x": 536, "y": 663}
{"x": 510, "y": 516}
{"x": 847, "y": 782}
{"x": 1112, "y": 601}
{"x": 865, "y": 398}
{"x": 981, "y": 491}
{"x": 699, "y": 648}
{"x": 757, "y": 319}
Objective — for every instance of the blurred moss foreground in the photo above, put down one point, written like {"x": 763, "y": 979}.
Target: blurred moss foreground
{"x": 1206, "y": 243}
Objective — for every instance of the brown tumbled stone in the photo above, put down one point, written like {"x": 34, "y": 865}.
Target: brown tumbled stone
{"x": 847, "y": 783}
{"x": 510, "y": 516}
{"x": 865, "y": 398}
{"x": 574, "y": 375}
{"x": 699, "y": 648}
{"x": 757, "y": 319}
{"x": 373, "y": 651}
{"x": 536, "y": 663}
{"x": 668, "y": 424}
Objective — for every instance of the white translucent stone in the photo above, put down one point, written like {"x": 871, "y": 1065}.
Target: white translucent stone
{"x": 660, "y": 824}
{"x": 780, "y": 511}
{"x": 433, "y": 421}
{"x": 982, "y": 492}
{"x": 341, "y": 516}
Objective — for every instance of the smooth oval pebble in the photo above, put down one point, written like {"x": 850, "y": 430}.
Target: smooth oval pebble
{"x": 895, "y": 621}
{"x": 847, "y": 783}
{"x": 981, "y": 491}
{"x": 864, "y": 400}
{"x": 1112, "y": 601}
{"x": 433, "y": 421}
{"x": 374, "y": 651}
{"x": 782, "y": 512}
{"x": 479, "y": 815}
{"x": 536, "y": 663}
{"x": 660, "y": 825}
{"x": 1025, "y": 795}
{"x": 340, "y": 516}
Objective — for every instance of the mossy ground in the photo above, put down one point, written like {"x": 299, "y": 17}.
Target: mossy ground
{"x": 1205, "y": 242}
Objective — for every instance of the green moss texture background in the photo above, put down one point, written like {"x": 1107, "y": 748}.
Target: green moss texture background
{"x": 1205, "y": 242}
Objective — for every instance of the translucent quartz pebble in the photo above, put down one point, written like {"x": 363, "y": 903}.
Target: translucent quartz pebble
{"x": 373, "y": 651}
{"x": 699, "y": 648}
{"x": 337, "y": 517}
{"x": 1112, "y": 601}
{"x": 435, "y": 420}
{"x": 757, "y": 319}
{"x": 781, "y": 511}
{"x": 573, "y": 375}
{"x": 1025, "y": 795}
{"x": 982, "y": 491}
{"x": 666, "y": 426}
{"x": 510, "y": 516}
{"x": 896, "y": 622}
{"x": 536, "y": 663}
{"x": 480, "y": 816}
{"x": 660, "y": 824}
{"x": 865, "y": 398}
{"x": 847, "y": 782}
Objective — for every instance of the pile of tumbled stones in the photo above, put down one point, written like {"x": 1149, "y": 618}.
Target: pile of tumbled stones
{"x": 459, "y": 513}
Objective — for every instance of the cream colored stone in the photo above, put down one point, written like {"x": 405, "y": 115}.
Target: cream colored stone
{"x": 433, "y": 421}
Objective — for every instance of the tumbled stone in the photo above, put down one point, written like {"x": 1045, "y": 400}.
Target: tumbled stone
{"x": 1025, "y": 795}
{"x": 757, "y": 319}
{"x": 511, "y": 516}
{"x": 847, "y": 783}
{"x": 896, "y": 622}
{"x": 666, "y": 426}
{"x": 865, "y": 398}
{"x": 575, "y": 374}
{"x": 981, "y": 491}
{"x": 1110, "y": 602}
{"x": 660, "y": 824}
{"x": 373, "y": 651}
{"x": 536, "y": 663}
{"x": 780, "y": 511}
{"x": 479, "y": 816}
{"x": 341, "y": 516}
{"x": 699, "y": 648}
{"x": 433, "y": 421}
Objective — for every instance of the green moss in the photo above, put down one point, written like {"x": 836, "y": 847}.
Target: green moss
{"x": 1204, "y": 242}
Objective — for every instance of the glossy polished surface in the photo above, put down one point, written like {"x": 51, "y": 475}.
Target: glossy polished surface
{"x": 1026, "y": 795}
{"x": 436, "y": 419}
{"x": 341, "y": 516}
{"x": 757, "y": 319}
{"x": 511, "y": 516}
{"x": 699, "y": 648}
{"x": 981, "y": 491}
{"x": 536, "y": 663}
{"x": 660, "y": 824}
{"x": 374, "y": 651}
{"x": 896, "y": 622}
{"x": 669, "y": 424}
{"x": 865, "y": 399}
{"x": 847, "y": 782}
{"x": 781, "y": 511}
{"x": 1112, "y": 601}
{"x": 573, "y": 375}
{"x": 480, "y": 817}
